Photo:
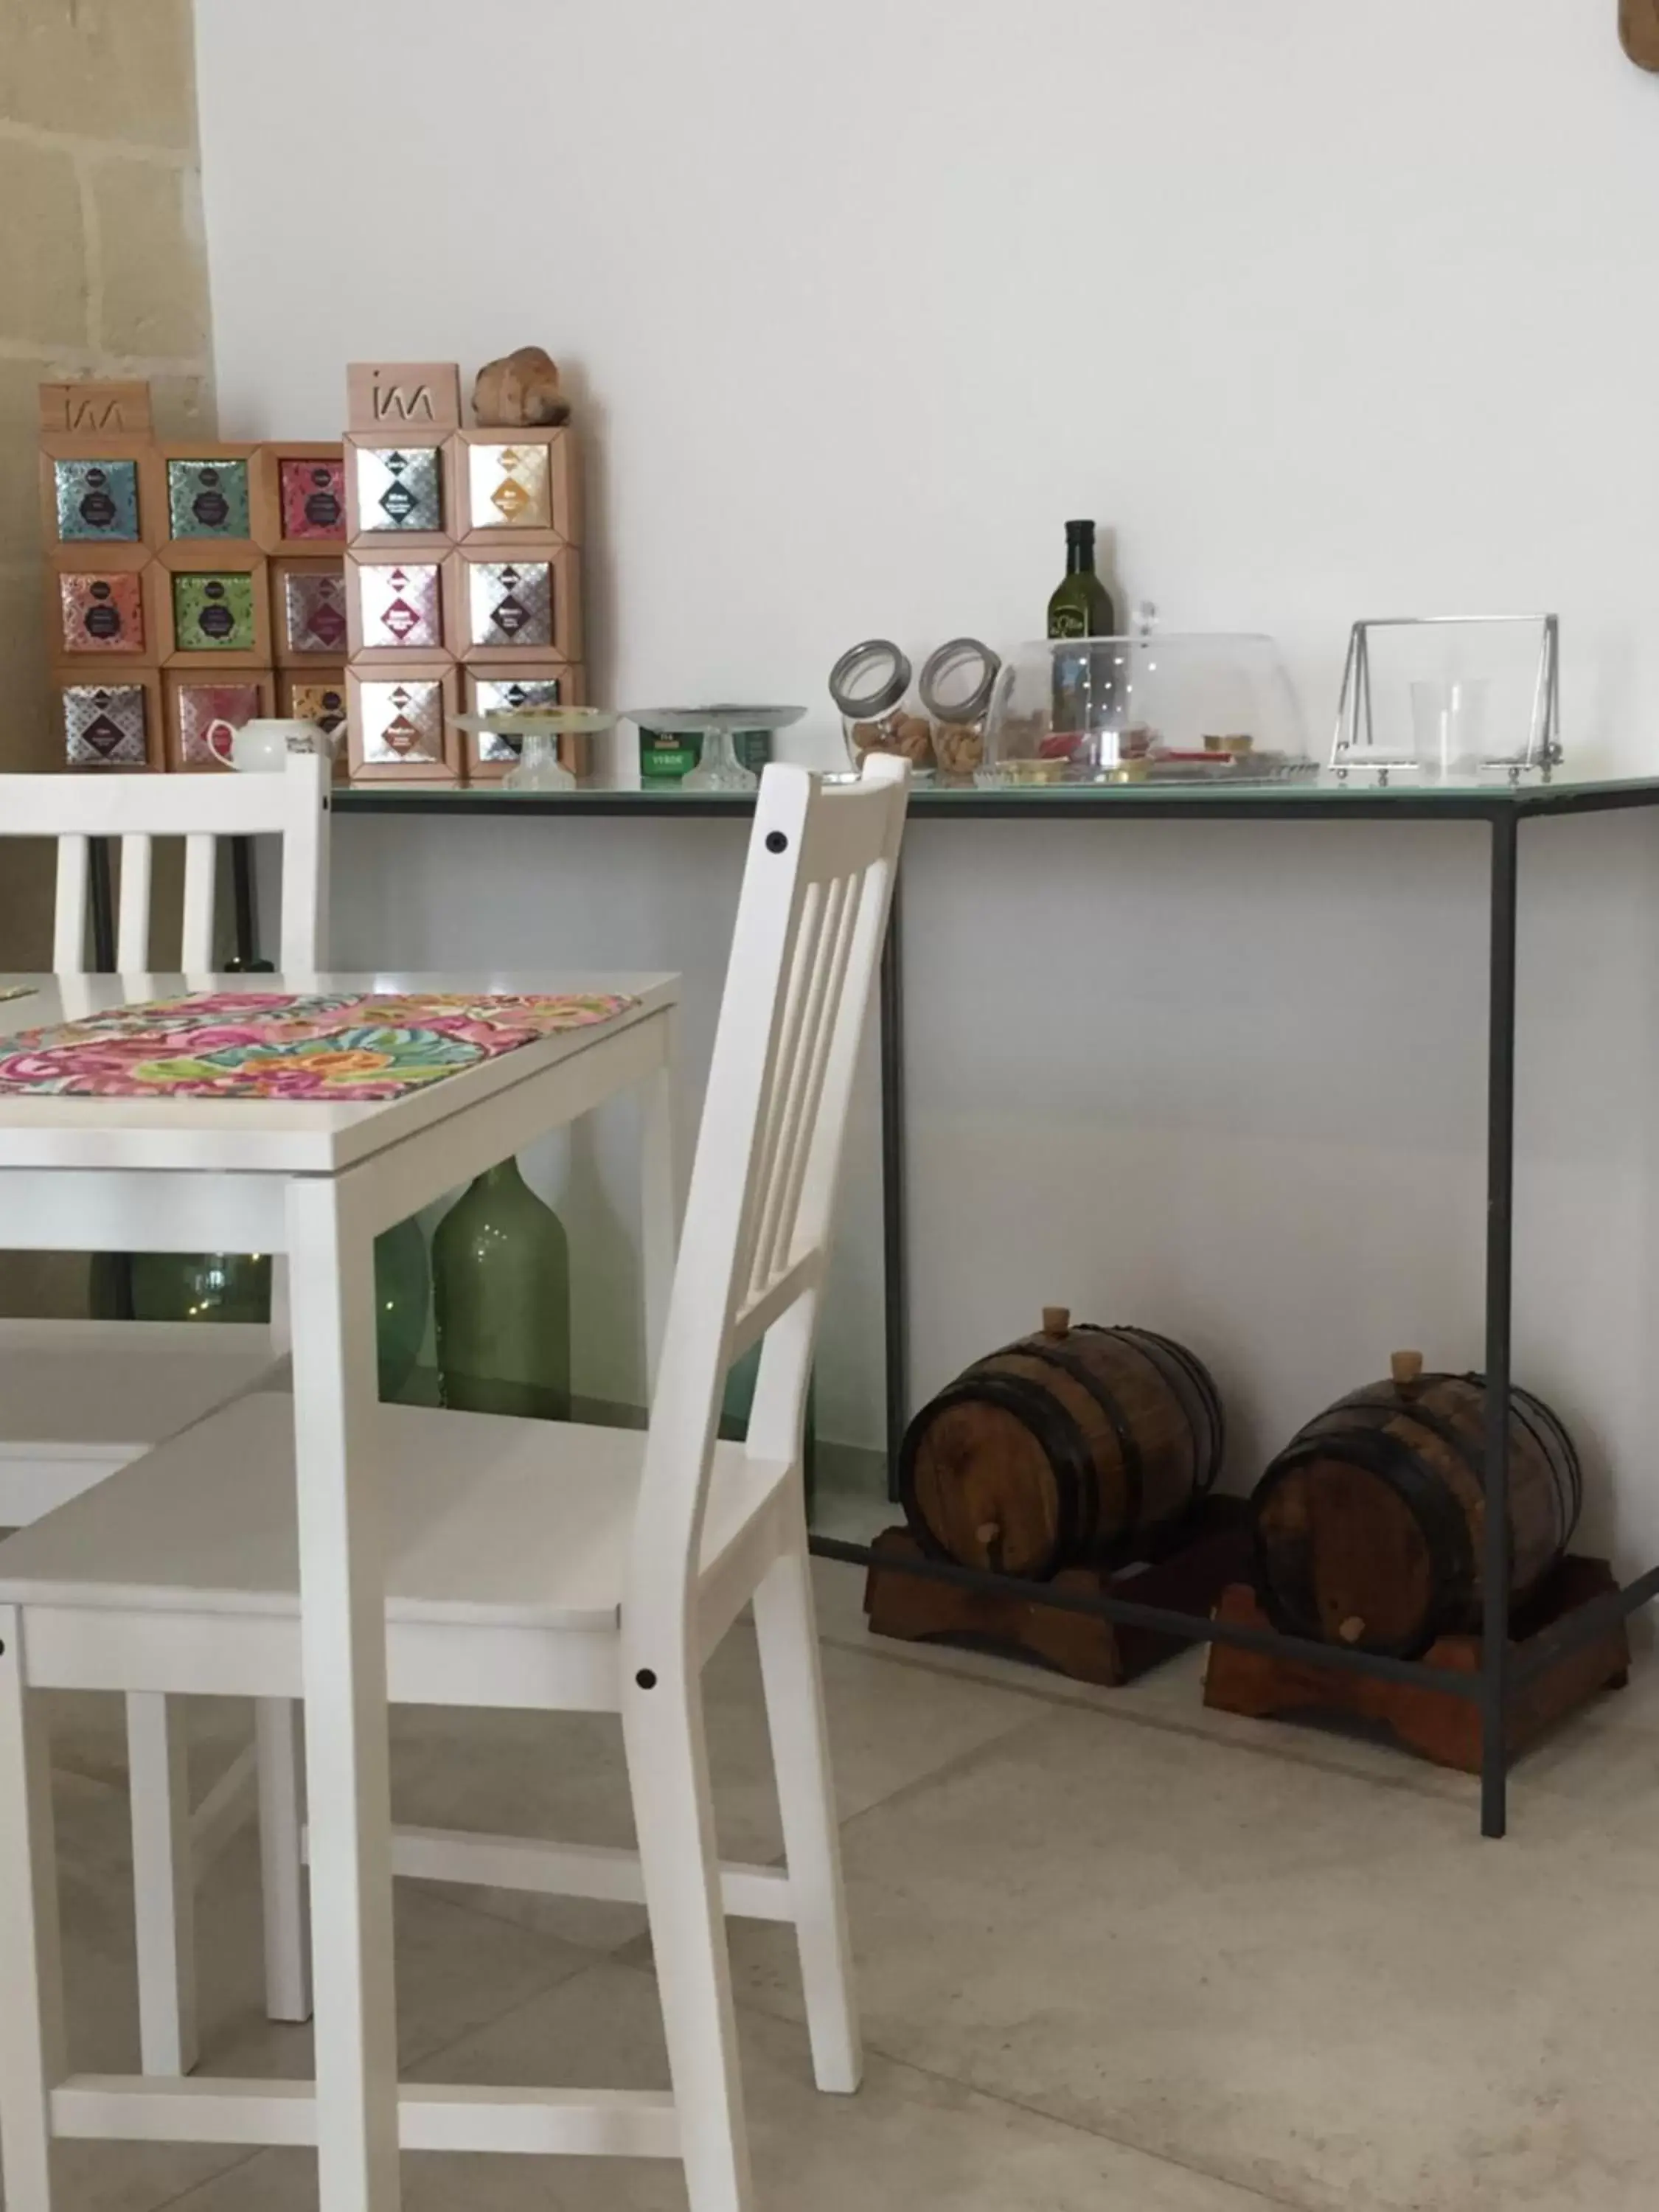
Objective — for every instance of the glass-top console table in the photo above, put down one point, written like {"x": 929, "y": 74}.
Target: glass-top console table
{"x": 1503, "y": 807}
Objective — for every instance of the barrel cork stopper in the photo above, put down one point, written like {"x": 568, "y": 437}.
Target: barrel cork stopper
{"x": 1056, "y": 1321}
{"x": 1352, "y": 1629}
{"x": 1407, "y": 1368}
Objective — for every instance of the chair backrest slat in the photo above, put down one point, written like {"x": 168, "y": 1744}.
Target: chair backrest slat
{"x": 68, "y": 927}
{"x": 292, "y": 805}
{"x": 132, "y": 928}
{"x": 804, "y": 952}
{"x": 196, "y": 936}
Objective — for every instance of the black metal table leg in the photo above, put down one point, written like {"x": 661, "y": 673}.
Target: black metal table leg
{"x": 1500, "y": 1194}
{"x": 100, "y": 898}
{"x": 894, "y": 1226}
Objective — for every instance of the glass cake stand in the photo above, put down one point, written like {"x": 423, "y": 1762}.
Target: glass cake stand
{"x": 538, "y": 730}
{"x": 719, "y": 768}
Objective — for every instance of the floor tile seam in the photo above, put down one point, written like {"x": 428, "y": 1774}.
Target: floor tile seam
{"x": 1081, "y": 2127}
{"x": 212, "y": 2181}
{"x": 1056, "y": 1701}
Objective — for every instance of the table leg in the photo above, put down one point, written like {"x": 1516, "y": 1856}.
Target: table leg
{"x": 343, "y": 1630}
{"x": 896, "y": 1235}
{"x": 659, "y": 1198}
{"x": 1500, "y": 1194}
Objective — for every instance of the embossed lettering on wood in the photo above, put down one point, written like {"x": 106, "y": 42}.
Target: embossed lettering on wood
{"x": 416, "y": 395}
{"x": 95, "y": 407}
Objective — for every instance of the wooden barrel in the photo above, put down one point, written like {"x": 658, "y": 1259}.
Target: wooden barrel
{"x": 1369, "y": 1526}
{"x": 1059, "y": 1450}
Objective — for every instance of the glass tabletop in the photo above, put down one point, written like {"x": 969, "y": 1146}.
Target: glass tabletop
{"x": 1323, "y": 796}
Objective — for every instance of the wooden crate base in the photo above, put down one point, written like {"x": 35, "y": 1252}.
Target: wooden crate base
{"x": 1446, "y": 1729}
{"x": 1188, "y": 1573}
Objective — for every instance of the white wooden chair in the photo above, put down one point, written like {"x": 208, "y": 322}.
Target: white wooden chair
{"x": 530, "y": 1564}
{"x": 80, "y": 1400}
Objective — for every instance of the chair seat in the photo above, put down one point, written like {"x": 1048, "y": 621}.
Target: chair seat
{"x": 490, "y": 1522}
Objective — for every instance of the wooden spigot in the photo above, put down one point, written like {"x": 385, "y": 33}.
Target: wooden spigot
{"x": 1056, "y": 1321}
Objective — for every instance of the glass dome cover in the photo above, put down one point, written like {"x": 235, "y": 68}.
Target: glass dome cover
{"x": 1198, "y": 706}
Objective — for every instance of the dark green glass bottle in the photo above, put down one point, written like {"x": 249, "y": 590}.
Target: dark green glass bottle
{"x": 1081, "y": 607}
{"x": 501, "y": 1290}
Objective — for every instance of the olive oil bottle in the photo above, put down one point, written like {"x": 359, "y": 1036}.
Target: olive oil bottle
{"x": 1081, "y": 607}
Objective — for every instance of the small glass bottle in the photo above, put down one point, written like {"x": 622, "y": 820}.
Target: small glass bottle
{"x": 870, "y": 684}
{"x": 956, "y": 682}
{"x": 501, "y": 1287}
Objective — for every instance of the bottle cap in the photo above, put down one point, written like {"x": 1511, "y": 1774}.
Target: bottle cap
{"x": 1076, "y": 530}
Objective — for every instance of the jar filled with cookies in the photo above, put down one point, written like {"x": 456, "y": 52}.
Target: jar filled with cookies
{"x": 956, "y": 682}
{"x": 870, "y": 686}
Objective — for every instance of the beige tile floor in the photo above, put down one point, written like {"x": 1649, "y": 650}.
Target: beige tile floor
{"x": 1116, "y": 1954}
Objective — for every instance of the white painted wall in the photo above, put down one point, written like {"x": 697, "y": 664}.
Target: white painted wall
{"x": 1326, "y": 310}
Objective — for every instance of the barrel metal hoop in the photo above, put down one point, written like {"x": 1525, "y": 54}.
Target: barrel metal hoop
{"x": 1432, "y": 1506}
{"x": 1206, "y": 1456}
{"x": 1134, "y": 1471}
{"x": 1056, "y": 1432}
{"x": 1549, "y": 1433}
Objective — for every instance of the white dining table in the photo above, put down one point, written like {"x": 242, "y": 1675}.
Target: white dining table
{"x": 318, "y": 1183}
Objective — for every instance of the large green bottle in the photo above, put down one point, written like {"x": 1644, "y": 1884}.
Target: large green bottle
{"x": 402, "y": 1299}
{"x": 1081, "y": 606}
{"x": 501, "y": 1288}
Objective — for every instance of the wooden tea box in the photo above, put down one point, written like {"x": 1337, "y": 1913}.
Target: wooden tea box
{"x": 525, "y": 608}
{"x": 112, "y": 724}
{"x": 308, "y": 611}
{"x": 401, "y": 416}
{"x": 401, "y": 724}
{"x": 397, "y": 608}
{"x": 299, "y": 496}
{"x": 195, "y": 702}
{"x": 210, "y": 495}
{"x": 493, "y": 687}
{"x": 317, "y": 695}
{"x": 506, "y": 487}
{"x": 214, "y": 613}
{"x": 98, "y": 617}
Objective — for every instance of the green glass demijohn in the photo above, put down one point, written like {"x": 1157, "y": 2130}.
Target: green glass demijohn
{"x": 402, "y": 1299}
{"x": 738, "y": 1401}
{"x": 501, "y": 1291}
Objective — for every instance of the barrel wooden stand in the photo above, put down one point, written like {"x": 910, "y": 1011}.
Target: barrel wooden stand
{"x": 1446, "y": 1729}
{"x": 1186, "y": 1570}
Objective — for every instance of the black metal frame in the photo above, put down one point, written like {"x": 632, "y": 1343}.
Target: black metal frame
{"x": 1504, "y": 809}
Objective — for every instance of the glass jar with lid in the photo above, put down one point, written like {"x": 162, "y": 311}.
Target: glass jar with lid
{"x": 956, "y": 683}
{"x": 870, "y": 686}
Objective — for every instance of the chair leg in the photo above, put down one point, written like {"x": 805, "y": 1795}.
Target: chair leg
{"x": 787, "y": 1635}
{"x": 282, "y": 1880}
{"x": 674, "y": 1811}
{"x": 163, "y": 1882}
{"x": 32, "y": 2051}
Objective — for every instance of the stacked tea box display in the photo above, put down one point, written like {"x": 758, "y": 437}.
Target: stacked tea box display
{"x": 463, "y": 578}
{"x": 186, "y": 583}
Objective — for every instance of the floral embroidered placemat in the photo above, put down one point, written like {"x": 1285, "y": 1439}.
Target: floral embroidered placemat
{"x": 342, "y": 1048}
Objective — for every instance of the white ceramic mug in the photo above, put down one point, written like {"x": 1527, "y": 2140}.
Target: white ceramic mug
{"x": 262, "y": 745}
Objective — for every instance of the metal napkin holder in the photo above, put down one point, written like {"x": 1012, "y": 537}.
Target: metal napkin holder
{"x": 1354, "y": 746}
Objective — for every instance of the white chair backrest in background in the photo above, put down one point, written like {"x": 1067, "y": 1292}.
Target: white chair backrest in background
{"x": 292, "y": 805}
{"x": 804, "y": 952}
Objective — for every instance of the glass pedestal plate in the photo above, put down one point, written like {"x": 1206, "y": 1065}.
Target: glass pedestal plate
{"x": 719, "y": 768}
{"x": 538, "y": 730}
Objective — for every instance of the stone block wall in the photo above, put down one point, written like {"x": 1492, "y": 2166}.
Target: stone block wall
{"x": 103, "y": 272}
